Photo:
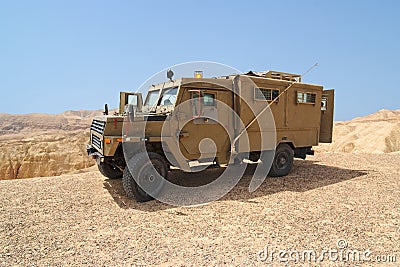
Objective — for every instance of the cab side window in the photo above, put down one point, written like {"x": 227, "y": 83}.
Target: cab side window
{"x": 209, "y": 100}
{"x": 200, "y": 101}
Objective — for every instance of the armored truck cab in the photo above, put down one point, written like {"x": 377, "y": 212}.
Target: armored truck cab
{"x": 178, "y": 114}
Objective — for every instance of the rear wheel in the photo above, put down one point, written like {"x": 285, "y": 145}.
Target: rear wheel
{"x": 109, "y": 170}
{"x": 144, "y": 176}
{"x": 283, "y": 161}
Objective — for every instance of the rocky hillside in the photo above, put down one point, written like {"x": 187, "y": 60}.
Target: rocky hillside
{"x": 68, "y": 121}
{"x": 36, "y": 145}
{"x": 376, "y": 133}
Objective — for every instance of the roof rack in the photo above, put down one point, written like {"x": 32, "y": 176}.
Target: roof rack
{"x": 276, "y": 75}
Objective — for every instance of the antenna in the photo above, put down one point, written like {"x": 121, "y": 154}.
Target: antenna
{"x": 313, "y": 66}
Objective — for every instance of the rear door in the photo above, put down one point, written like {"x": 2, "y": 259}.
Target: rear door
{"x": 326, "y": 127}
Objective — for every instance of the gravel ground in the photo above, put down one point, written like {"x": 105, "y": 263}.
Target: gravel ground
{"x": 84, "y": 219}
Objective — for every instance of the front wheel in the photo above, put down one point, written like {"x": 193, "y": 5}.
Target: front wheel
{"x": 109, "y": 170}
{"x": 144, "y": 176}
{"x": 283, "y": 161}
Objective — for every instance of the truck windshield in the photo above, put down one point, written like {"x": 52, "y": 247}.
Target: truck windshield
{"x": 152, "y": 98}
{"x": 169, "y": 96}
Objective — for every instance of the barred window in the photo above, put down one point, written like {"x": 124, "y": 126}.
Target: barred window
{"x": 265, "y": 94}
{"x": 303, "y": 97}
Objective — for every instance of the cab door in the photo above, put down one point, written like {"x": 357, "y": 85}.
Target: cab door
{"x": 326, "y": 126}
{"x": 209, "y": 120}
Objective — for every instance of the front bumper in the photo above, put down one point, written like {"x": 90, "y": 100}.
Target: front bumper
{"x": 94, "y": 153}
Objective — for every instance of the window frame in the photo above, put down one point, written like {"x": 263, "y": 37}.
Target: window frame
{"x": 266, "y": 88}
{"x": 202, "y": 93}
{"x": 202, "y": 105}
{"x": 148, "y": 97}
{"x": 305, "y": 93}
{"x": 214, "y": 97}
{"x": 162, "y": 94}
{"x": 324, "y": 100}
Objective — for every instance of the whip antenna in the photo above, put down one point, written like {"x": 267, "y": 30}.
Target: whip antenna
{"x": 313, "y": 66}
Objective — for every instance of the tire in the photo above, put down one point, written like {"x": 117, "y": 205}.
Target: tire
{"x": 283, "y": 161}
{"x": 140, "y": 168}
{"x": 109, "y": 170}
{"x": 254, "y": 156}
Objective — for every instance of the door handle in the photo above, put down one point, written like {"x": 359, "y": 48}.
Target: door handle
{"x": 183, "y": 134}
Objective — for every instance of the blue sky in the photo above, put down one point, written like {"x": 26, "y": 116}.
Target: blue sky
{"x": 62, "y": 55}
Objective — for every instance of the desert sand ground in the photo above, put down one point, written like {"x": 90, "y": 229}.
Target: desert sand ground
{"x": 84, "y": 218}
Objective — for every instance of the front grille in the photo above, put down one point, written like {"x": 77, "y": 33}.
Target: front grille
{"x": 98, "y": 126}
{"x": 96, "y": 141}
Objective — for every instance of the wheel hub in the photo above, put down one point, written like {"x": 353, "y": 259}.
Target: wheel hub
{"x": 281, "y": 161}
{"x": 151, "y": 178}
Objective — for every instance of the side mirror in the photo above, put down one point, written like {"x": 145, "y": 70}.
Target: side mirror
{"x": 139, "y": 102}
{"x": 105, "y": 109}
{"x": 130, "y": 98}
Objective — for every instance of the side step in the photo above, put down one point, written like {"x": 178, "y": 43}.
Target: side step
{"x": 302, "y": 152}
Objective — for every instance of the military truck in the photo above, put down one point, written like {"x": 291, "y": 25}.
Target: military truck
{"x": 302, "y": 117}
